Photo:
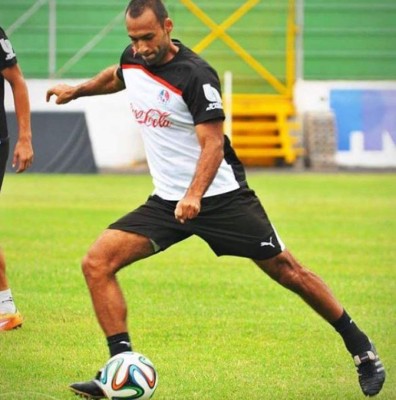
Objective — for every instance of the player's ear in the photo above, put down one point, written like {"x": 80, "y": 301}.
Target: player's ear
{"x": 168, "y": 25}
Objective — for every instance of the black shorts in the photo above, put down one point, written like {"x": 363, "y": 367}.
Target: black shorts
{"x": 4, "y": 151}
{"x": 233, "y": 223}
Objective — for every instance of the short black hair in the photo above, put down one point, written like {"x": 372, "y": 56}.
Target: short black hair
{"x": 136, "y": 8}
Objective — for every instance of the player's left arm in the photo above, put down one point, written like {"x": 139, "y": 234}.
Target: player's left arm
{"x": 211, "y": 139}
{"x": 23, "y": 152}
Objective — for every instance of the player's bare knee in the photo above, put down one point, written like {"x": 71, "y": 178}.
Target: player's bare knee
{"x": 92, "y": 268}
{"x": 86, "y": 267}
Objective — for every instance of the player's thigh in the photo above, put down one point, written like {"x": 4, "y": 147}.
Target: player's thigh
{"x": 114, "y": 249}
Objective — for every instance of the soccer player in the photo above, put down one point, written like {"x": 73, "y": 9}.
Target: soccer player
{"x": 10, "y": 318}
{"x": 200, "y": 188}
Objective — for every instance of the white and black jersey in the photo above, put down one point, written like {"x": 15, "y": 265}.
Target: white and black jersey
{"x": 168, "y": 101}
{"x": 7, "y": 59}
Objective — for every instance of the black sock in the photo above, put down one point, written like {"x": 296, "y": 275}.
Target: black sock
{"x": 355, "y": 340}
{"x": 119, "y": 343}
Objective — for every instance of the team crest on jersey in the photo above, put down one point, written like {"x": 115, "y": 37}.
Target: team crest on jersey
{"x": 164, "y": 97}
{"x": 213, "y": 96}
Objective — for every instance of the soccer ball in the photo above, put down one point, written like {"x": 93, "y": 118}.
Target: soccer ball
{"x": 128, "y": 376}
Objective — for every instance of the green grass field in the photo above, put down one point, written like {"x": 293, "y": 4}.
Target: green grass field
{"x": 216, "y": 328}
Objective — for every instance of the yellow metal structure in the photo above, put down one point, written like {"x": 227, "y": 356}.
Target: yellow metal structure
{"x": 261, "y": 124}
{"x": 261, "y": 129}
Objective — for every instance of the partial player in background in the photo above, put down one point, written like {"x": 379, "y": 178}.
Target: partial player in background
{"x": 200, "y": 188}
{"x": 10, "y": 318}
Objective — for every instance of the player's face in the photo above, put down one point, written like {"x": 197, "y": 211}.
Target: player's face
{"x": 150, "y": 39}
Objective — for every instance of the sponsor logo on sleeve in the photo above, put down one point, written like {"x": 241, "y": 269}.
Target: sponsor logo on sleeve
{"x": 213, "y": 96}
{"x": 7, "y": 48}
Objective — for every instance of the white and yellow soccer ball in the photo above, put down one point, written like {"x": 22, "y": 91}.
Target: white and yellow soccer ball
{"x": 129, "y": 376}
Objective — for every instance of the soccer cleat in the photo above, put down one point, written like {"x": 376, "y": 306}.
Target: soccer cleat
{"x": 371, "y": 371}
{"x": 10, "y": 321}
{"x": 89, "y": 389}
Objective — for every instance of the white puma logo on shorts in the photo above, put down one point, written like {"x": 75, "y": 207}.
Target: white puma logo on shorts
{"x": 262, "y": 244}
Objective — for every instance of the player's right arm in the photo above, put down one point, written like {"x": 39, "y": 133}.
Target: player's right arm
{"x": 105, "y": 82}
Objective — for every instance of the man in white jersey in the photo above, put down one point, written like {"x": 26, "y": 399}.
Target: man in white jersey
{"x": 200, "y": 188}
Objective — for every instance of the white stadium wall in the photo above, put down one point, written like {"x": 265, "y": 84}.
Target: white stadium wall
{"x": 364, "y": 113}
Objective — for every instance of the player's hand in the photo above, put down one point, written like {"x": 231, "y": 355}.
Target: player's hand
{"x": 64, "y": 93}
{"x": 187, "y": 208}
{"x": 23, "y": 155}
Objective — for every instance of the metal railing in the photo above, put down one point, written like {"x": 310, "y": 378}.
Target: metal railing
{"x": 51, "y": 4}
{"x": 80, "y": 43}
{"x": 55, "y": 71}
